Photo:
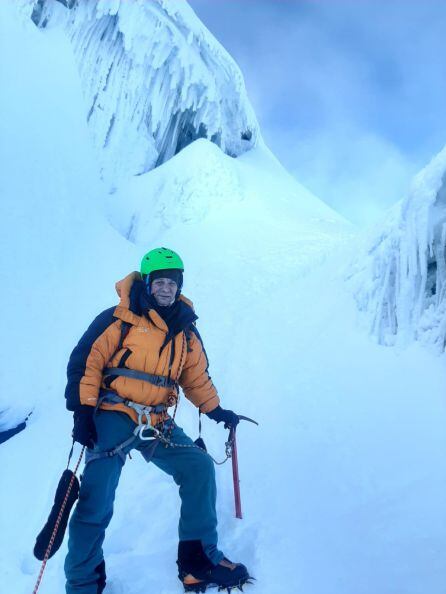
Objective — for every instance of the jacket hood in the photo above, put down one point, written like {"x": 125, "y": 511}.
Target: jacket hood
{"x": 129, "y": 291}
{"x": 124, "y": 290}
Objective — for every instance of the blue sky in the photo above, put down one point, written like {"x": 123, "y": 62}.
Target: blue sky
{"x": 350, "y": 94}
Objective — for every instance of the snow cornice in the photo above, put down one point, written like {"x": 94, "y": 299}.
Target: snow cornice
{"x": 154, "y": 79}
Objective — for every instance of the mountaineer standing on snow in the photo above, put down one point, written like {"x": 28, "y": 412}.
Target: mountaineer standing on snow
{"x": 122, "y": 377}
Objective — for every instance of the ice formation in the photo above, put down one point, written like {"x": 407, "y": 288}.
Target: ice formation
{"x": 401, "y": 282}
{"x": 154, "y": 79}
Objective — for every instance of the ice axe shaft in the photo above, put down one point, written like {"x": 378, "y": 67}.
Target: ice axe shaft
{"x": 235, "y": 476}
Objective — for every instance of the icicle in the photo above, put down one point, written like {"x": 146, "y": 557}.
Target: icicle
{"x": 403, "y": 289}
{"x": 156, "y": 72}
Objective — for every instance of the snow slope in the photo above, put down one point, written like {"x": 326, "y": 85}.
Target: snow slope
{"x": 52, "y": 230}
{"x": 343, "y": 482}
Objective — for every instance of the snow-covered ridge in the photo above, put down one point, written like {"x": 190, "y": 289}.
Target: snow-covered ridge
{"x": 154, "y": 79}
{"x": 401, "y": 281}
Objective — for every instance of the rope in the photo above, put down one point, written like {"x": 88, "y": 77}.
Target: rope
{"x": 56, "y": 526}
{"x": 228, "y": 448}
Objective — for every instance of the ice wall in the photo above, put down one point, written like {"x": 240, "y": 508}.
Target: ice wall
{"x": 154, "y": 79}
{"x": 400, "y": 280}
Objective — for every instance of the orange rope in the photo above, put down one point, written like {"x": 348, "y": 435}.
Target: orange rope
{"x": 57, "y": 524}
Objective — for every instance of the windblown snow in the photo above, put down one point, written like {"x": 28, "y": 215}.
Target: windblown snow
{"x": 343, "y": 482}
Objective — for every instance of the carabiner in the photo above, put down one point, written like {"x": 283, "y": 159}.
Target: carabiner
{"x": 141, "y": 428}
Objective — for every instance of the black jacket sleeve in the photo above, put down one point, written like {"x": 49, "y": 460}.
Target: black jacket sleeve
{"x": 77, "y": 363}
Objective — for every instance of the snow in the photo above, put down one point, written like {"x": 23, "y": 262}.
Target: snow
{"x": 153, "y": 79}
{"x": 400, "y": 272}
{"x": 52, "y": 230}
{"x": 342, "y": 483}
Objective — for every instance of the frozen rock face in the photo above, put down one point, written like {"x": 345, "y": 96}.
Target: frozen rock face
{"x": 401, "y": 283}
{"x": 154, "y": 80}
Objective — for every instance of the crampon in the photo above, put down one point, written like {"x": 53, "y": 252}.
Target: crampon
{"x": 197, "y": 573}
{"x": 193, "y": 585}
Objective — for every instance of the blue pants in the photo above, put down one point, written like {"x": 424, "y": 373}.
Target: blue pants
{"x": 192, "y": 470}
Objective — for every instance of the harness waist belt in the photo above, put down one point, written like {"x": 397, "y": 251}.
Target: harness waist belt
{"x": 110, "y": 397}
{"x": 161, "y": 381}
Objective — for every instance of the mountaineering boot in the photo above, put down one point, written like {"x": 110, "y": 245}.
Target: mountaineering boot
{"x": 100, "y": 570}
{"x": 196, "y": 572}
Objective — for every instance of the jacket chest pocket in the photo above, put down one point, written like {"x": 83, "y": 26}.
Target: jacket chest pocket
{"x": 144, "y": 338}
{"x": 141, "y": 349}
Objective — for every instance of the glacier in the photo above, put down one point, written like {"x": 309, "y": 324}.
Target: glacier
{"x": 343, "y": 482}
{"x": 400, "y": 274}
{"x": 153, "y": 81}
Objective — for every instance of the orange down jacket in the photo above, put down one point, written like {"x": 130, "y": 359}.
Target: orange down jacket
{"x": 148, "y": 347}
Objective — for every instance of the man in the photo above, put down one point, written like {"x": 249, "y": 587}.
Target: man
{"x": 122, "y": 376}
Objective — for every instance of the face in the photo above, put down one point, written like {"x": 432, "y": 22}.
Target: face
{"x": 164, "y": 291}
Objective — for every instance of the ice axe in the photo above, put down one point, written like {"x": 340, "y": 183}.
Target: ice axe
{"x": 235, "y": 474}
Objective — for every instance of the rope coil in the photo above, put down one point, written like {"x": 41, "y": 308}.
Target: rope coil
{"x": 59, "y": 518}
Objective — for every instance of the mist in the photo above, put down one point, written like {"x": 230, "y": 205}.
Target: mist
{"x": 350, "y": 95}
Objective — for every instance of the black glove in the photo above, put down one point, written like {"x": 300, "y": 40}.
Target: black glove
{"x": 84, "y": 430}
{"x": 229, "y": 418}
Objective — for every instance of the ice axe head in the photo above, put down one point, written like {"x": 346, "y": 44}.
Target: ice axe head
{"x": 243, "y": 418}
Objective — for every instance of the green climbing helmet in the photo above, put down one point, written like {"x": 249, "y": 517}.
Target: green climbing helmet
{"x": 161, "y": 259}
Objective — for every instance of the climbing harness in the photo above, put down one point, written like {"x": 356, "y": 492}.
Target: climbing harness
{"x": 160, "y": 381}
{"x": 158, "y": 433}
{"x": 143, "y": 412}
